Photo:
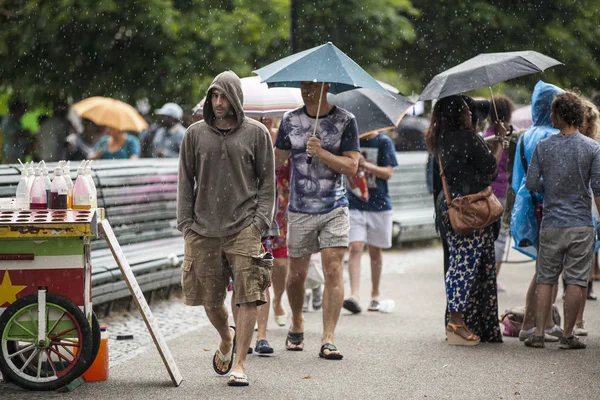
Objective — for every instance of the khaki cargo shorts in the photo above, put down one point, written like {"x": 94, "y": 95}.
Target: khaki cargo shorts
{"x": 208, "y": 262}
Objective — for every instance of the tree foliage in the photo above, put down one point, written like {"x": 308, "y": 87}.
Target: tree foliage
{"x": 169, "y": 50}
{"x": 160, "y": 49}
{"x": 450, "y": 32}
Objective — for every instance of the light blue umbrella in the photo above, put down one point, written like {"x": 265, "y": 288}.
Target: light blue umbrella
{"x": 325, "y": 63}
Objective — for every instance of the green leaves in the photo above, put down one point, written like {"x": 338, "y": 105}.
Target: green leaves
{"x": 169, "y": 50}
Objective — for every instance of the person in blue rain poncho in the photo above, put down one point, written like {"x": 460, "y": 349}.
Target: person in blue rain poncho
{"x": 523, "y": 224}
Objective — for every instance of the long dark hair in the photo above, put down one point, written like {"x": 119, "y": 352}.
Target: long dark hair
{"x": 447, "y": 116}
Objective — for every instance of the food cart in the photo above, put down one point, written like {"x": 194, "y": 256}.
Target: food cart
{"x": 49, "y": 332}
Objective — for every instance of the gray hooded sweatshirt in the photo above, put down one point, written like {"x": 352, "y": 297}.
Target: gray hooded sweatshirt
{"x": 226, "y": 181}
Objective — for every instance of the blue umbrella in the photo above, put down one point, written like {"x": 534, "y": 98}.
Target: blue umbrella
{"x": 325, "y": 63}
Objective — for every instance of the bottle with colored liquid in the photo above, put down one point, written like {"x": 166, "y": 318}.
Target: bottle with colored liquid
{"x": 358, "y": 186}
{"x": 58, "y": 191}
{"x": 82, "y": 199}
{"x": 98, "y": 371}
{"x": 91, "y": 184}
{"x": 37, "y": 195}
{"x": 22, "y": 201}
{"x": 47, "y": 181}
{"x": 67, "y": 175}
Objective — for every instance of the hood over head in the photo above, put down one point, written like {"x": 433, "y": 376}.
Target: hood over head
{"x": 541, "y": 102}
{"x": 228, "y": 83}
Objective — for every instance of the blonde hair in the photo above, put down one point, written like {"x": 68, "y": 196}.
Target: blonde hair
{"x": 590, "y": 118}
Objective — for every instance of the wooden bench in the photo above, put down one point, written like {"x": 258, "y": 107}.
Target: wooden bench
{"x": 139, "y": 198}
{"x": 412, "y": 205}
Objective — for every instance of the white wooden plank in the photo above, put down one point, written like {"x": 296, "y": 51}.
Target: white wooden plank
{"x": 140, "y": 300}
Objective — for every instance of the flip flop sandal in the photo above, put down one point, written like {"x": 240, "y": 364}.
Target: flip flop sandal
{"x": 331, "y": 356}
{"x": 225, "y": 357}
{"x": 262, "y": 348}
{"x": 373, "y": 305}
{"x": 238, "y": 379}
{"x": 352, "y": 306}
{"x": 295, "y": 338}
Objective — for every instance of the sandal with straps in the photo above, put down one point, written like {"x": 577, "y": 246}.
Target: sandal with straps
{"x": 331, "y": 355}
{"x": 456, "y": 339}
{"x": 225, "y": 357}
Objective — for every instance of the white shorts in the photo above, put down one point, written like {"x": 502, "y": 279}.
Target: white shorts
{"x": 372, "y": 227}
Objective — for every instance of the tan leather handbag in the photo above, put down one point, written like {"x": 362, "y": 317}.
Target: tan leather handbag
{"x": 471, "y": 212}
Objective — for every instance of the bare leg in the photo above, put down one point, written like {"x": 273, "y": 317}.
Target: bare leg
{"x": 582, "y": 307}
{"x": 457, "y": 319}
{"x": 585, "y": 293}
{"x": 376, "y": 255}
{"x": 573, "y": 299}
{"x": 498, "y": 266}
{"x": 234, "y": 309}
{"x": 354, "y": 256}
{"x": 278, "y": 278}
{"x": 550, "y": 320}
{"x": 263, "y": 317}
{"x": 295, "y": 291}
{"x": 244, "y": 330}
{"x": 529, "y": 321}
{"x": 218, "y": 317}
{"x": 333, "y": 295}
{"x": 543, "y": 301}
{"x": 530, "y": 305}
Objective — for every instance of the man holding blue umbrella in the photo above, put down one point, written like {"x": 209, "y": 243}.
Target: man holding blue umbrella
{"x": 322, "y": 140}
{"x": 318, "y": 207}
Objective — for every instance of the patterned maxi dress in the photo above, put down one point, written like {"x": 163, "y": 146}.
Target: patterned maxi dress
{"x": 471, "y": 279}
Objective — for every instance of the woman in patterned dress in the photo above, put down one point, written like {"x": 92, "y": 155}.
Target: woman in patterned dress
{"x": 469, "y": 167}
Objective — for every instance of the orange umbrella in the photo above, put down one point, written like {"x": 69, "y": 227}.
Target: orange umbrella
{"x": 109, "y": 112}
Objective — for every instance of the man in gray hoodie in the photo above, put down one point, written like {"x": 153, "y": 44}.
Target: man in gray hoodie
{"x": 225, "y": 200}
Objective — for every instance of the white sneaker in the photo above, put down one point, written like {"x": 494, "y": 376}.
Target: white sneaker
{"x": 579, "y": 330}
{"x": 306, "y": 306}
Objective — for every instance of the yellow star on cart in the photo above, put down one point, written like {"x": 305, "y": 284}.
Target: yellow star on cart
{"x": 8, "y": 291}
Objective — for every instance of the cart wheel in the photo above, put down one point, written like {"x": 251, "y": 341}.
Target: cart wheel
{"x": 22, "y": 357}
{"x": 62, "y": 354}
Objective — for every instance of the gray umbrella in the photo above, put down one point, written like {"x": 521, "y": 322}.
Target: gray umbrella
{"x": 373, "y": 110}
{"x": 486, "y": 70}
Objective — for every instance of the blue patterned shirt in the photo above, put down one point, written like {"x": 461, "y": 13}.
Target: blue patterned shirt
{"x": 315, "y": 188}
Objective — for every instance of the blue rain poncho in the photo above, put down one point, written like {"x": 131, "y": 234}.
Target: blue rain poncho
{"x": 523, "y": 224}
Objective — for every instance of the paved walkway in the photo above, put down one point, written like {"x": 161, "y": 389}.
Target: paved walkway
{"x": 402, "y": 355}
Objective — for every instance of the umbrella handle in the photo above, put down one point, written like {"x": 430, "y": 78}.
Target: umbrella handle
{"x": 309, "y": 157}
{"x": 493, "y": 102}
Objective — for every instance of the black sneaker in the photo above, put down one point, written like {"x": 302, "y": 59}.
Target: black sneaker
{"x": 352, "y": 306}
{"x": 262, "y": 348}
{"x": 535, "y": 341}
{"x": 571, "y": 343}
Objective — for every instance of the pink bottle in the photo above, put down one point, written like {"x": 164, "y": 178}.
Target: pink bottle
{"x": 37, "y": 194}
